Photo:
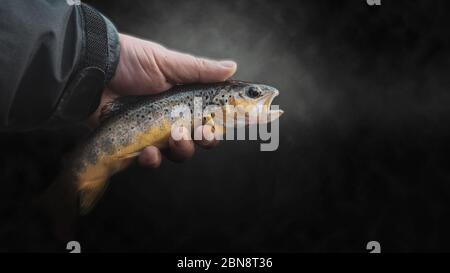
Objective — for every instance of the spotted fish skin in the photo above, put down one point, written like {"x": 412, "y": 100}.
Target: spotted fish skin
{"x": 133, "y": 123}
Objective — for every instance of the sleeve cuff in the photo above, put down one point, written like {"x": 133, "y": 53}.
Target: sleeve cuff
{"x": 96, "y": 66}
{"x": 113, "y": 49}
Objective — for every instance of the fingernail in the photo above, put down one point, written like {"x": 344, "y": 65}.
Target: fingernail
{"x": 227, "y": 64}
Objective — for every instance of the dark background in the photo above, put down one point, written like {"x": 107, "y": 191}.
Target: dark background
{"x": 364, "y": 142}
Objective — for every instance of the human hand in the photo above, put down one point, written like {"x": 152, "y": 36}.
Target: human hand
{"x": 148, "y": 68}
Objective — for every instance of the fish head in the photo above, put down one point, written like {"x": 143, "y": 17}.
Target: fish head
{"x": 247, "y": 103}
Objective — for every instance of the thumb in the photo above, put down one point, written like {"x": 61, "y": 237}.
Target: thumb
{"x": 184, "y": 68}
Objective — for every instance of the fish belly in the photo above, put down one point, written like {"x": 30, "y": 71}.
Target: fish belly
{"x": 94, "y": 178}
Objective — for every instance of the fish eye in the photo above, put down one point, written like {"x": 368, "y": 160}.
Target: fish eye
{"x": 253, "y": 92}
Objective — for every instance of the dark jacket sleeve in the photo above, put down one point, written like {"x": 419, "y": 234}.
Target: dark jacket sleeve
{"x": 56, "y": 56}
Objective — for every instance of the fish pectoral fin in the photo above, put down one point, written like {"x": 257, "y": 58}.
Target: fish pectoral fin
{"x": 92, "y": 186}
{"x": 217, "y": 128}
{"x": 91, "y": 193}
{"x": 208, "y": 120}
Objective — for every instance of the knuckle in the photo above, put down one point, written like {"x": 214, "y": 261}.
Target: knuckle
{"x": 200, "y": 66}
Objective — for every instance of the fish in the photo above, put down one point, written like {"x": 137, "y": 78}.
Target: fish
{"x": 131, "y": 123}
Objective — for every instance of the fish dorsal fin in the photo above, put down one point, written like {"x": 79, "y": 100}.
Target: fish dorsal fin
{"x": 116, "y": 106}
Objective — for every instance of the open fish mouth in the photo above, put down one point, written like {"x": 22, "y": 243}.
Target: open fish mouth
{"x": 264, "y": 109}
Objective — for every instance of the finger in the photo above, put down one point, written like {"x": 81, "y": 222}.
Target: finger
{"x": 180, "y": 149}
{"x": 184, "y": 68}
{"x": 150, "y": 157}
{"x": 204, "y": 136}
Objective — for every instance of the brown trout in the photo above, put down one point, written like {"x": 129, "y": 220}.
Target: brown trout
{"x": 132, "y": 123}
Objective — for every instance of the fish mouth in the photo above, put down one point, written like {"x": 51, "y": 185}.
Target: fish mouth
{"x": 264, "y": 107}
